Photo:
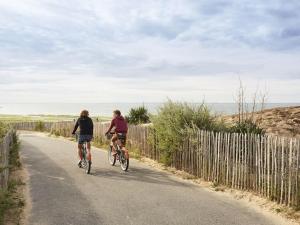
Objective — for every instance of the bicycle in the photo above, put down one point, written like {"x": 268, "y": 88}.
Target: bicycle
{"x": 121, "y": 153}
{"x": 85, "y": 163}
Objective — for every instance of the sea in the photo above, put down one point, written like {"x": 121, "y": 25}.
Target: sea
{"x": 105, "y": 109}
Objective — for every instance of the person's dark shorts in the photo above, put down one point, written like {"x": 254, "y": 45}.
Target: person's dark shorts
{"x": 84, "y": 138}
{"x": 122, "y": 137}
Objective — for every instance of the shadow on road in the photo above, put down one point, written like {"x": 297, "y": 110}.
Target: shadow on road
{"x": 138, "y": 174}
{"x": 53, "y": 192}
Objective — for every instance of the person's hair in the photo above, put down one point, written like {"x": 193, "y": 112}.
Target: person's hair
{"x": 117, "y": 112}
{"x": 84, "y": 113}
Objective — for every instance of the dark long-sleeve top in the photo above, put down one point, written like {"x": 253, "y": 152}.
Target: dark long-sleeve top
{"x": 85, "y": 124}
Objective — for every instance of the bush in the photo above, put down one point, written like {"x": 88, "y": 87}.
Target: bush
{"x": 101, "y": 142}
{"x": 3, "y": 129}
{"x": 246, "y": 126}
{"x": 39, "y": 126}
{"x": 177, "y": 121}
{"x": 14, "y": 158}
{"x": 55, "y": 132}
{"x": 174, "y": 121}
{"x": 138, "y": 115}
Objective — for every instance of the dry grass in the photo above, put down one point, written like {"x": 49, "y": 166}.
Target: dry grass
{"x": 284, "y": 121}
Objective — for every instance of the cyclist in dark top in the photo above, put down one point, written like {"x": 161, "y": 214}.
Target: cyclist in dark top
{"x": 119, "y": 123}
{"x": 86, "y": 126}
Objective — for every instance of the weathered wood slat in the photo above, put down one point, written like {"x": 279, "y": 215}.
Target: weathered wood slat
{"x": 5, "y": 144}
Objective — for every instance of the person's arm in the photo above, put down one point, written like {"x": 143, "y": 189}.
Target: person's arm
{"x": 112, "y": 124}
{"x": 76, "y": 126}
{"x": 92, "y": 127}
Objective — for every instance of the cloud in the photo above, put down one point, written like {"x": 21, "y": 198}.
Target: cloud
{"x": 167, "y": 45}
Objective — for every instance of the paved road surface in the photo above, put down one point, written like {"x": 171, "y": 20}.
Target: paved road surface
{"x": 61, "y": 193}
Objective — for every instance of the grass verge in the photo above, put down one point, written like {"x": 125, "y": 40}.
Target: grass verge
{"x": 11, "y": 200}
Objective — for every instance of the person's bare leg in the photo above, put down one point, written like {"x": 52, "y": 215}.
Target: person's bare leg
{"x": 113, "y": 147}
{"x": 126, "y": 152}
{"x": 80, "y": 151}
{"x": 113, "y": 140}
{"x": 124, "y": 149}
{"x": 89, "y": 155}
{"x": 79, "y": 155}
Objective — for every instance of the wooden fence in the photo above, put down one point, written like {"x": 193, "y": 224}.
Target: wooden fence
{"x": 5, "y": 144}
{"x": 33, "y": 126}
{"x": 266, "y": 165}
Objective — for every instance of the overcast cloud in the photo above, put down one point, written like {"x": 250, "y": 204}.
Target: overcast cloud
{"x": 146, "y": 51}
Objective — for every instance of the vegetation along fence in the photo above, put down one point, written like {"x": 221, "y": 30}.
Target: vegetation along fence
{"x": 5, "y": 144}
{"x": 267, "y": 165}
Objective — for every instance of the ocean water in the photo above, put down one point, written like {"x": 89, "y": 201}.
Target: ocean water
{"x": 105, "y": 109}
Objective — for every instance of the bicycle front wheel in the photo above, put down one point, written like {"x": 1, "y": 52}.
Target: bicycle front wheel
{"x": 111, "y": 157}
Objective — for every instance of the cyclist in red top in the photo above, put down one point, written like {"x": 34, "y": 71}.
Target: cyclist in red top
{"x": 119, "y": 123}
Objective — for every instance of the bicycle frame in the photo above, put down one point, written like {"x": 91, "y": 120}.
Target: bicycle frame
{"x": 121, "y": 155}
{"x": 118, "y": 142}
{"x": 85, "y": 163}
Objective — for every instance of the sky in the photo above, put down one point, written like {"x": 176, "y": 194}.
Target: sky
{"x": 148, "y": 51}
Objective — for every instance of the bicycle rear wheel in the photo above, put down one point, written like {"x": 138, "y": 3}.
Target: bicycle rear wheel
{"x": 88, "y": 167}
{"x": 124, "y": 161}
{"x": 86, "y": 164}
{"x": 111, "y": 157}
{"x": 84, "y": 160}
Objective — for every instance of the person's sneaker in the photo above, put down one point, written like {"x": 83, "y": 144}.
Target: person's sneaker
{"x": 79, "y": 164}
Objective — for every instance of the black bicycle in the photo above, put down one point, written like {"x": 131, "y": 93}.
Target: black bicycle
{"x": 121, "y": 154}
{"x": 85, "y": 163}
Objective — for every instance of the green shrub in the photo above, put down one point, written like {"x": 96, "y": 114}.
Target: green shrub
{"x": 135, "y": 153}
{"x": 175, "y": 121}
{"x": 246, "y": 126}
{"x": 14, "y": 158}
{"x": 6, "y": 203}
{"x": 138, "y": 115}
{"x": 101, "y": 142}
{"x": 57, "y": 133}
{"x": 39, "y": 126}
{"x": 3, "y": 129}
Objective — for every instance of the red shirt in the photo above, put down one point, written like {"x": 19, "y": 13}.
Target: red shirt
{"x": 120, "y": 125}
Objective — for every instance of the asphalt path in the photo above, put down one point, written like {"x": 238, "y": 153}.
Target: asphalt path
{"x": 61, "y": 193}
